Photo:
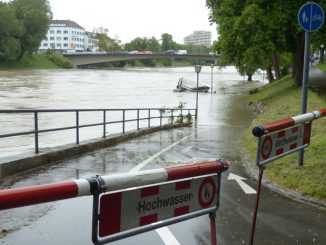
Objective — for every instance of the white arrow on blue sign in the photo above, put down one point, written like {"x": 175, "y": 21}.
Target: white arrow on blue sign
{"x": 311, "y": 16}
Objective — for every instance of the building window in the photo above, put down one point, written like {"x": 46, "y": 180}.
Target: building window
{"x": 59, "y": 45}
{"x": 51, "y": 38}
{"x": 51, "y": 32}
{"x": 65, "y": 38}
{"x": 58, "y": 38}
{"x": 65, "y": 32}
{"x": 58, "y": 32}
{"x": 45, "y": 44}
{"x": 65, "y": 45}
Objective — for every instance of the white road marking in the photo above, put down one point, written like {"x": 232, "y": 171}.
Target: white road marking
{"x": 164, "y": 232}
{"x": 167, "y": 236}
{"x": 246, "y": 188}
{"x": 144, "y": 163}
{"x": 187, "y": 149}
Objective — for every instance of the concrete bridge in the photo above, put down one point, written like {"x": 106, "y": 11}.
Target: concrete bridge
{"x": 89, "y": 58}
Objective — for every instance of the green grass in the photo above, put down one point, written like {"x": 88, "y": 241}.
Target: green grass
{"x": 282, "y": 99}
{"x": 322, "y": 67}
{"x": 34, "y": 61}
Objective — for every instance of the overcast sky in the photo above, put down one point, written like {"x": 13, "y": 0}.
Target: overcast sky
{"x": 128, "y": 19}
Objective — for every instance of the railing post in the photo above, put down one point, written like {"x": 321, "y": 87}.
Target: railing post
{"x": 149, "y": 118}
{"x": 77, "y": 127}
{"x": 161, "y": 117}
{"x": 104, "y": 123}
{"x": 36, "y": 131}
{"x": 123, "y": 120}
{"x": 172, "y": 116}
{"x": 137, "y": 119}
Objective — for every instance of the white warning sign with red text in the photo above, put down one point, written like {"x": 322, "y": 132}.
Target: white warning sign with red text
{"x": 279, "y": 143}
{"x": 130, "y": 209}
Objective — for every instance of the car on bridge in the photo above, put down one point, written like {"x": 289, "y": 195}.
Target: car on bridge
{"x": 171, "y": 52}
{"x": 140, "y": 52}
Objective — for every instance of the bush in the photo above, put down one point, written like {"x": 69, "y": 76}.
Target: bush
{"x": 58, "y": 59}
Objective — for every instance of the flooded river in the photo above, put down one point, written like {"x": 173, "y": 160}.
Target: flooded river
{"x": 99, "y": 89}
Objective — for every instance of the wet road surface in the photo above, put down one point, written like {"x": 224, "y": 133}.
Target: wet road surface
{"x": 280, "y": 220}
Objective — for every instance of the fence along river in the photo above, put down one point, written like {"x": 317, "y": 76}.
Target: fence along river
{"x": 101, "y": 89}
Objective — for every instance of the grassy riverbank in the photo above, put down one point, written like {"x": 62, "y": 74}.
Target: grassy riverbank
{"x": 279, "y": 100}
{"x": 50, "y": 60}
{"x": 34, "y": 61}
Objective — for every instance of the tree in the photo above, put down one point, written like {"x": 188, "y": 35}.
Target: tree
{"x": 276, "y": 31}
{"x": 167, "y": 41}
{"x": 34, "y": 16}
{"x": 106, "y": 43}
{"x": 139, "y": 43}
{"x": 154, "y": 45}
{"x": 10, "y": 30}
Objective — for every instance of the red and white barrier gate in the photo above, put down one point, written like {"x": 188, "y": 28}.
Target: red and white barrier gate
{"x": 278, "y": 139}
{"x": 283, "y": 137}
{"x": 155, "y": 198}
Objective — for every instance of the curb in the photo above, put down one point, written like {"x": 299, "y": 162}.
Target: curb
{"x": 296, "y": 196}
{"x": 25, "y": 162}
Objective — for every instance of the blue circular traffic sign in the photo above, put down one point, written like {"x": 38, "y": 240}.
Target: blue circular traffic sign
{"x": 311, "y": 16}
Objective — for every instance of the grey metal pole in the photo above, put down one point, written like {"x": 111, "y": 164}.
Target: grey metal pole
{"x": 197, "y": 97}
{"x": 305, "y": 83}
{"x": 212, "y": 66}
{"x": 36, "y": 132}
{"x": 322, "y": 54}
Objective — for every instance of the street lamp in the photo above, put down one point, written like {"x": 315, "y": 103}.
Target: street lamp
{"x": 321, "y": 55}
{"x": 197, "y": 69}
{"x": 244, "y": 72}
{"x": 212, "y": 66}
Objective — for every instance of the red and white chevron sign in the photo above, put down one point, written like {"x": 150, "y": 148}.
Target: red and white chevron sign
{"x": 277, "y": 144}
{"x": 130, "y": 209}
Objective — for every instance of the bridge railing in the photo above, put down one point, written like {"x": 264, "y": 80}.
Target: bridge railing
{"x": 127, "y": 119}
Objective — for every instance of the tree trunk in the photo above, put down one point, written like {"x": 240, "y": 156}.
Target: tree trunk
{"x": 20, "y": 56}
{"x": 297, "y": 71}
{"x": 276, "y": 66}
{"x": 249, "y": 78}
{"x": 270, "y": 74}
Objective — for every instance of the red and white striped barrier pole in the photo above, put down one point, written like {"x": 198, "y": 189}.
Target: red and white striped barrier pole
{"x": 287, "y": 122}
{"x": 279, "y": 128}
{"x": 24, "y": 196}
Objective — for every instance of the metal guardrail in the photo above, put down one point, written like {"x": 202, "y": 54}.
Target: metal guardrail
{"x": 161, "y": 113}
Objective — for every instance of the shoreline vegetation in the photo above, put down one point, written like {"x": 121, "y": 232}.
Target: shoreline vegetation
{"x": 279, "y": 100}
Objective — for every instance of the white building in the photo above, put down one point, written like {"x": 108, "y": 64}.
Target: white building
{"x": 199, "y": 38}
{"x": 91, "y": 42}
{"x": 67, "y": 35}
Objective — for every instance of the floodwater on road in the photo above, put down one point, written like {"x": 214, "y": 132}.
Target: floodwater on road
{"x": 222, "y": 117}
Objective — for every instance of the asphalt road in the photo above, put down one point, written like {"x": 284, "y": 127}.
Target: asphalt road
{"x": 280, "y": 220}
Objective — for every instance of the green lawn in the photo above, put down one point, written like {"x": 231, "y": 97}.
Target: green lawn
{"x": 279, "y": 100}
{"x": 34, "y": 61}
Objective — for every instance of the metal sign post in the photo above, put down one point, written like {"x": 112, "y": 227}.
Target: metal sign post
{"x": 310, "y": 18}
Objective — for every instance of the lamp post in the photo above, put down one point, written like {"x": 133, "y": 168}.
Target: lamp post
{"x": 212, "y": 67}
{"x": 321, "y": 55}
{"x": 197, "y": 69}
{"x": 244, "y": 73}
